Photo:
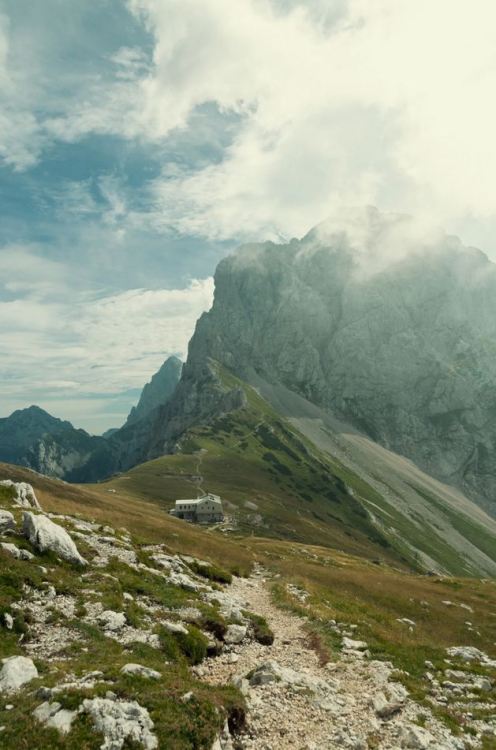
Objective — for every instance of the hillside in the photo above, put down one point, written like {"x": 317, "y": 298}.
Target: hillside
{"x": 278, "y": 481}
{"x": 148, "y": 631}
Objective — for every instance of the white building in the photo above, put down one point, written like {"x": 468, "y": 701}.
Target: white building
{"x": 206, "y": 509}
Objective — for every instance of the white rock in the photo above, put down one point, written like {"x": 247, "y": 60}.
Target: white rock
{"x": 24, "y": 494}
{"x": 175, "y": 627}
{"x": 470, "y": 653}
{"x": 406, "y": 621}
{"x": 416, "y": 738}
{"x": 19, "y": 554}
{"x": 141, "y": 671}
{"x": 15, "y": 672}
{"x": 8, "y": 620}
{"x": 350, "y": 645}
{"x": 112, "y": 620}
{"x": 53, "y": 715}
{"x": 48, "y": 536}
{"x": 235, "y": 633}
{"x": 7, "y": 521}
{"x": 119, "y": 721}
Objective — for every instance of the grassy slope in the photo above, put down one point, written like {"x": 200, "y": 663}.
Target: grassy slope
{"x": 345, "y": 587}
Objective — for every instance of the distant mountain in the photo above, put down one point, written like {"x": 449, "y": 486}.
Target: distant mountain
{"x": 158, "y": 391}
{"x": 33, "y": 438}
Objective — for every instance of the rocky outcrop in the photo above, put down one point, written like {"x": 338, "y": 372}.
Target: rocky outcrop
{"x": 45, "y": 535}
{"x": 24, "y": 494}
{"x": 158, "y": 391}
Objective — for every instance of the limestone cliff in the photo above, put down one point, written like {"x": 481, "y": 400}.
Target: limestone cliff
{"x": 391, "y": 331}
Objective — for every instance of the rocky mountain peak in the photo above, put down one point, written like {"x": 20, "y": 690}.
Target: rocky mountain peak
{"x": 158, "y": 391}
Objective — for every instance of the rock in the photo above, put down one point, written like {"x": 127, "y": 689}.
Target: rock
{"x": 141, "y": 671}
{"x": 406, "y": 621}
{"x": 48, "y": 536}
{"x": 235, "y": 634}
{"x": 24, "y": 494}
{"x": 19, "y": 554}
{"x": 7, "y": 521}
{"x": 175, "y": 627}
{"x": 8, "y": 620}
{"x": 16, "y": 671}
{"x": 384, "y": 708}
{"x": 184, "y": 581}
{"x": 483, "y": 684}
{"x": 54, "y": 716}
{"x": 416, "y": 738}
{"x": 349, "y": 644}
{"x": 470, "y": 653}
{"x": 112, "y": 620}
{"x": 120, "y": 721}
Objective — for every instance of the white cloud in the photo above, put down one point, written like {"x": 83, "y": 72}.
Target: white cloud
{"x": 394, "y": 94}
{"x": 57, "y": 340}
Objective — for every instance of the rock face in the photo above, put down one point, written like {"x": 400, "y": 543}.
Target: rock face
{"x": 48, "y": 536}
{"x": 16, "y": 672}
{"x": 403, "y": 349}
{"x": 158, "y": 391}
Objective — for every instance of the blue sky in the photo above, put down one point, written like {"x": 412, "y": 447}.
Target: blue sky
{"x": 142, "y": 140}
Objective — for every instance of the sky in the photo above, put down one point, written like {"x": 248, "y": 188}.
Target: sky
{"x": 142, "y": 140}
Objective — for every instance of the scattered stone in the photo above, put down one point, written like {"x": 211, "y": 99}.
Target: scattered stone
{"x": 349, "y": 644}
{"x": 385, "y": 708}
{"x": 16, "y": 671}
{"x": 141, "y": 671}
{"x": 54, "y": 716}
{"x": 7, "y": 521}
{"x": 112, "y": 620}
{"x": 48, "y": 536}
{"x": 120, "y": 721}
{"x": 235, "y": 634}
{"x": 8, "y": 621}
{"x": 17, "y": 552}
{"x": 415, "y": 738}
{"x": 176, "y": 628}
{"x": 24, "y": 494}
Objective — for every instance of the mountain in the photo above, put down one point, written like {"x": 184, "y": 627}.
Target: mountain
{"x": 158, "y": 391}
{"x": 402, "y": 350}
{"x": 31, "y": 437}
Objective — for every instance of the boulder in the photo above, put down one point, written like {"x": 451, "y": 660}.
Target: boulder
{"x": 16, "y": 671}
{"x": 120, "y": 721}
{"x": 385, "y": 708}
{"x": 54, "y": 716}
{"x": 112, "y": 620}
{"x": 46, "y": 535}
{"x": 19, "y": 554}
{"x": 24, "y": 494}
{"x": 349, "y": 644}
{"x": 235, "y": 634}
{"x": 7, "y": 521}
{"x": 141, "y": 671}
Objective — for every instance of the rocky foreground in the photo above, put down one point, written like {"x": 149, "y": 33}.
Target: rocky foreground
{"x": 108, "y": 642}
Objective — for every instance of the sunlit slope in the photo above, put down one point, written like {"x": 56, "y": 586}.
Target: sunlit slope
{"x": 283, "y": 473}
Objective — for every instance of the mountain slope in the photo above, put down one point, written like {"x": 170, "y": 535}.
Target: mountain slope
{"x": 284, "y": 470}
{"x": 33, "y": 438}
{"x": 402, "y": 350}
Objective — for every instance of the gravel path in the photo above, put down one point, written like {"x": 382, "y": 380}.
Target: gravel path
{"x": 339, "y": 714}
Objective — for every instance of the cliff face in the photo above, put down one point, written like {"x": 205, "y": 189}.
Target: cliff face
{"x": 158, "y": 391}
{"x": 404, "y": 350}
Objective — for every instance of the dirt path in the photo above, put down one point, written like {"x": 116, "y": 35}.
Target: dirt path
{"x": 337, "y": 714}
